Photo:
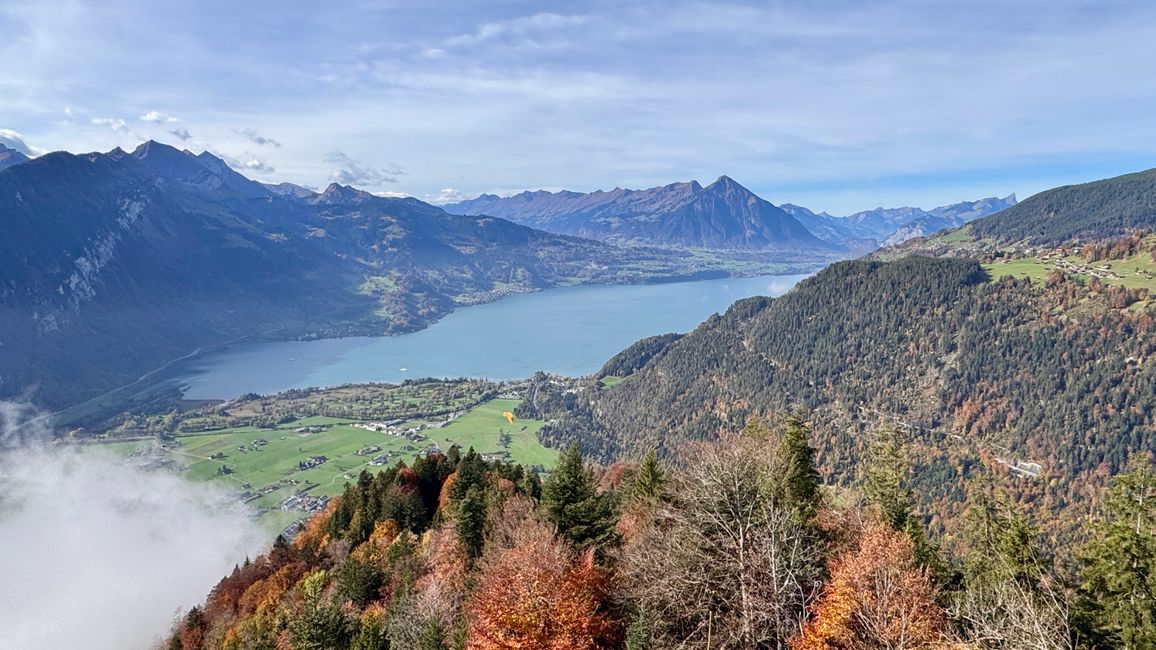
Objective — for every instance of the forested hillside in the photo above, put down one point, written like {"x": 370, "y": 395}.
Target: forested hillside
{"x": 1091, "y": 211}
{"x": 1052, "y": 379}
{"x": 737, "y": 547}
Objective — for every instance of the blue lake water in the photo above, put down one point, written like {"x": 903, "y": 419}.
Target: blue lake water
{"x": 570, "y": 331}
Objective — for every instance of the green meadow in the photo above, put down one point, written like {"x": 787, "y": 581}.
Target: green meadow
{"x": 266, "y": 461}
{"x": 1135, "y": 272}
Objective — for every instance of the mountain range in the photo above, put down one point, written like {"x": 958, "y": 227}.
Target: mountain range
{"x": 113, "y": 263}
{"x": 722, "y": 215}
{"x": 882, "y": 227}
{"x": 1051, "y": 374}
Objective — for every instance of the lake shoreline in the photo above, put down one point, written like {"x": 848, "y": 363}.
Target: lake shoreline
{"x": 165, "y": 383}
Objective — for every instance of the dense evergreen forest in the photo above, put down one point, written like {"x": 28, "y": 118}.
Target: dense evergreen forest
{"x": 1053, "y": 380}
{"x": 1091, "y": 211}
{"x": 736, "y": 546}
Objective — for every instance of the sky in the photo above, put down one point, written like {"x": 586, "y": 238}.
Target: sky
{"x": 837, "y": 106}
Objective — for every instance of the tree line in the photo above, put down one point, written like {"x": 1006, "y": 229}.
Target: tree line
{"x": 736, "y": 543}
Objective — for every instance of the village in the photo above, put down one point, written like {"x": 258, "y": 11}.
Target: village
{"x": 281, "y": 474}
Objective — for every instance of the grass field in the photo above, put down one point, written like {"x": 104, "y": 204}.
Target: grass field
{"x": 1026, "y": 268}
{"x": 271, "y": 468}
{"x": 610, "y": 381}
{"x": 1136, "y": 272}
{"x": 483, "y": 427}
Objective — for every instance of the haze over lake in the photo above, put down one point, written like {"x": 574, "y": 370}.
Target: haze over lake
{"x": 570, "y": 331}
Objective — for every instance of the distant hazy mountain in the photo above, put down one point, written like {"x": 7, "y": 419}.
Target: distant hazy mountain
{"x": 113, "y": 263}
{"x": 837, "y": 230}
{"x": 864, "y": 231}
{"x": 722, "y": 215}
{"x": 10, "y": 157}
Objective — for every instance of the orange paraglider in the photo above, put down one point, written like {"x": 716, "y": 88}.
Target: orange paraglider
{"x": 509, "y": 416}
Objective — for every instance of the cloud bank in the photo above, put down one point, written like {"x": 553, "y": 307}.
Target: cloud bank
{"x": 95, "y": 554}
{"x": 14, "y": 140}
{"x": 353, "y": 172}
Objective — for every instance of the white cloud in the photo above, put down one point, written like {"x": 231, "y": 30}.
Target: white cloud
{"x": 119, "y": 549}
{"x": 157, "y": 117}
{"x": 392, "y": 195}
{"x": 447, "y": 195}
{"x": 354, "y": 172}
{"x": 14, "y": 140}
{"x": 524, "y": 27}
{"x": 257, "y": 138}
{"x": 246, "y": 162}
{"x": 116, "y": 124}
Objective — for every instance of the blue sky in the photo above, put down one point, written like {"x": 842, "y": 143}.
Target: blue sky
{"x": 834, "y": 105}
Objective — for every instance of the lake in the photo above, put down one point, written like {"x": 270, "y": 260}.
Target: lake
{"x": 569, "y": 331}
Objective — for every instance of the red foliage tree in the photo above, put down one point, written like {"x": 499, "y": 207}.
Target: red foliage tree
{"x": 878, "y": 597}
{"x": 536, "y": 594}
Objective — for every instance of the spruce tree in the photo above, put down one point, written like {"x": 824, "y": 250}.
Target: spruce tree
{"x": 580, "y": 514}
{"x": 886, "y": 484}
{"x": 651, "y": 480}
{"x": 471, "y": 522}
{"x": 798, "y": 482}
{"x": 1117, "y": 603}
{"x": 471, "y": 474}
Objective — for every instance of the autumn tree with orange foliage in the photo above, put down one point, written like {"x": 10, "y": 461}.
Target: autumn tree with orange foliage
{"x": 878, "y": 597}
{"x": 534, "y": 593}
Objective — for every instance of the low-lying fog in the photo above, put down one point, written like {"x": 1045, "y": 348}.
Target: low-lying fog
{"x": 94, "y": 554}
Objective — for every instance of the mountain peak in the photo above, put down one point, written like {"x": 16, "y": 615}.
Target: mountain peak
{"x": 153, "y": 148}
{"x": 337, "y": 193}
{"x": 725, "y": 182}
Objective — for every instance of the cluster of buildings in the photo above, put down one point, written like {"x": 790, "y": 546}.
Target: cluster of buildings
{"x": 1103, "y": 271}
{"x": 311, "y": 462}
{"x": 393, "y": 428}
{"x": 304, "y": 503}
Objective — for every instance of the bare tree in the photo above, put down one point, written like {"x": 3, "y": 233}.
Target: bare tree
{"x": 1000, "y": 611}
{"x": 722, "y": 559}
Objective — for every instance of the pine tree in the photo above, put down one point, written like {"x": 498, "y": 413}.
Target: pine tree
{"x": 1117, "y": 603}
{"x": 581, "y": 515}
{"x": 471, "y": 474}
{"x": 471, "y": 522}
{"x": 886, "y": 484}
{"x": 651, "y": 478}
{"x": 799, "y": 485}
